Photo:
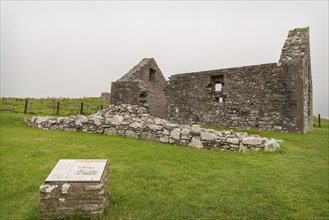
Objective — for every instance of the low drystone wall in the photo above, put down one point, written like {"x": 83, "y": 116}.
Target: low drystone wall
{"x": 134, "y": 121}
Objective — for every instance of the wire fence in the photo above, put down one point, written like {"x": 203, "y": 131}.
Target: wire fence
{"x": 53, "y": 106}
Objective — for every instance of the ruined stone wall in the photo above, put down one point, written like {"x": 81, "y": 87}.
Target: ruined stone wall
{"x": 308, "y": 97}
{"x": 135, "y": 122}
{"x": 252, "y": 97}
{"x": 143, "y": 85}
{"x": 128, "y": 92}
{"x": 275, "y": 96}
{"x": 296, "y": 60}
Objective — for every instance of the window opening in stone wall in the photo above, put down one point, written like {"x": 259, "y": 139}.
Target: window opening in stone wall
{"x": 217, "y": 86}
{"x": 152, "y": 75}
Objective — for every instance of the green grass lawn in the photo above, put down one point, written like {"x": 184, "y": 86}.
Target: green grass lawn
{"x": 151, "y": 180}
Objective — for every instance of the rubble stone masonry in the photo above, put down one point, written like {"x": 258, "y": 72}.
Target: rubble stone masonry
{"x": 275, "y": 96}
{"x": 135, "y": 122}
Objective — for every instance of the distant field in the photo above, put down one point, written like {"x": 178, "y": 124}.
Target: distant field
{"x": 150, "y": 180}
{"x": 48, "y": 106}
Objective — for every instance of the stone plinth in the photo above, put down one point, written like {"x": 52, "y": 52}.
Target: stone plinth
{"x": 75, "y": 187}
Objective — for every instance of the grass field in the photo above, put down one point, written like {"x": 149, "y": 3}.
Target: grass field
{"x": 151, "y": 180}
{"x": 48, "y": 106}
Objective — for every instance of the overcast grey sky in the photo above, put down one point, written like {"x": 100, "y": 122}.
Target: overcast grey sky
{"x": 77, "y": 48}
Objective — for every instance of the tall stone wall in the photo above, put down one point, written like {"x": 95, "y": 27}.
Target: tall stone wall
{"x": 296, "y": 61}
{"x": 251, "y": 97}
{"x": 275, "y": 96}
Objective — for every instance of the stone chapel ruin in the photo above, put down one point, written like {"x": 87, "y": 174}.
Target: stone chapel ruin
{"x": 274, "y": 96}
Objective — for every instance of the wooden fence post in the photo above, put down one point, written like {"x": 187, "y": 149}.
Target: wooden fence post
{"x": 81, "y": 109}
{"x": 101, "y": 107}
{"x": 25, "y": 108}
{"x": 57, "y": 111}
{"x": 319, "y": 120}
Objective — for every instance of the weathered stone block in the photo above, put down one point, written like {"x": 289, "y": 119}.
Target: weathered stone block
{"x": 110, "y": 130}
{"x": 207, "y": 136}
{"x": 252, "y": 141}
{"x": 41, "y": 120}
{"x": 117, "y": 120}
{"x": 165, "y": 132}
{"x": 155, "y": 127}
{"x": 196, "y": 142}
{"x": 136, "y": 125}
{"x": 171, "y": 126}
{"x": 75, "y": 187}
{"x": 98, "y": 120}
{"x": 164, "y": 139}
{"x": 159, "y": 121}
{"x": 195, "y": 129}
{"x": 185, "y": 137}
{"x": 234, "y": 146}
{"x": 242, "y": 148}
{"x": 185, "y": 132}
{"x": 148, "y": 136}
{"x": 233, "y": 140}
{"x": 175, "y": 134}
{"x": 271, "y": 145}
{"x": 132, "y": 134}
